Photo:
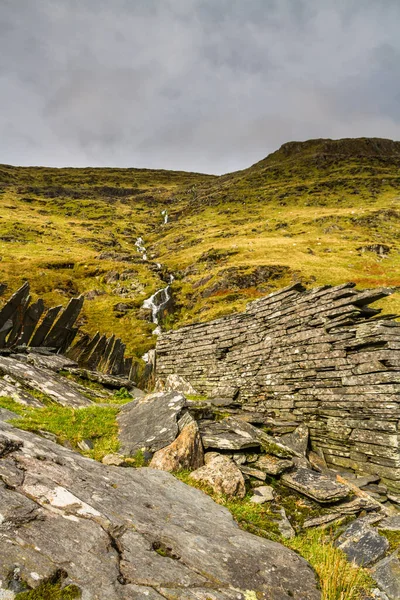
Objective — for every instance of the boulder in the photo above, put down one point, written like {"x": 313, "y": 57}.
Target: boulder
{"x": 387, "y": 575}
{"x": 222, "y": 475}
{"x": 149, "y": 423}
{"x": 120, "y": 534}
{"x": 315, "y": 485}
{"x": 362, "y": 543}
{"x": 186, "y": 452}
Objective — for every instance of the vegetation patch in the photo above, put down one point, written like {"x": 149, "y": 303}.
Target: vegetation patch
{"x": 95, "y": 423}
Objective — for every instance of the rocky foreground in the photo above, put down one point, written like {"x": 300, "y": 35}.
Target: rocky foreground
{"x": 110, "y": 531}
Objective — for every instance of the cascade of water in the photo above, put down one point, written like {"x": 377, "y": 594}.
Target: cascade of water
{"x": 165, "y": 215}
{"x": 140, "y": 247}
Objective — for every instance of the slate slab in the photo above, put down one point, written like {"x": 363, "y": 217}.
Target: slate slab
{"x": 272, "y": 465}
{"x": 315, "y": 485}
{"x": 119, "y": 532}
{"x": 149, "y": 423}
{"x": 362, "y": 543}
{"x": 45, "y": 381}
{"x": 387, "y": 575}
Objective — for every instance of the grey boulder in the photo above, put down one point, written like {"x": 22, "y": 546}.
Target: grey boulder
{"x": 150, "y": 423}
{"x": 362, "y": 543}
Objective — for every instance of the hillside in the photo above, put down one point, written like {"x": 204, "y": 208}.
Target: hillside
{"x": 318, "y": 212}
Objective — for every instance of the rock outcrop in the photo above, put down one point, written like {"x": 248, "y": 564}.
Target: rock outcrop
{"x": 322, "y": 357}
{"x": 120, "y": 533}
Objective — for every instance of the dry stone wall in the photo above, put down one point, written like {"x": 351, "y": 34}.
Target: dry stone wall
{"x": 323, "y": 357}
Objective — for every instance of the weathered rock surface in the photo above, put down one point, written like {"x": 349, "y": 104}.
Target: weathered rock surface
{"x": 130, "y": 533}
{"x": 150, "y": 423}
{"x": 186, "y": 452}
{"x": 44, "y": 381}
{"x": 221, "y": 474}
{"x": 54, "y": 362}
{"x": 11, "y": 388}
{"x": 391, "y": 523}
{"x": 362, "y": 543}
{"x": 315, "y": 485}
{"x": 387, "y": 575}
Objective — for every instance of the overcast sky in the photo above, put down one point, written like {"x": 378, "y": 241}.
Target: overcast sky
{"x": 199, "y": 85}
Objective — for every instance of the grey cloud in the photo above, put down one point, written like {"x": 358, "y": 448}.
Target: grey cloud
{"x": 203, "y": 85}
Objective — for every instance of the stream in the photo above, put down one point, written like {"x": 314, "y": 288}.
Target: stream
{"x": 160, "y": 299}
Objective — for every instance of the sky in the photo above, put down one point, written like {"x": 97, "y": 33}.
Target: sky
{"x": 198, "y": 85}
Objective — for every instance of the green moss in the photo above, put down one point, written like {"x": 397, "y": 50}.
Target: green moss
{"x": 50, "y": 591}
{"x": 393, "y": 537}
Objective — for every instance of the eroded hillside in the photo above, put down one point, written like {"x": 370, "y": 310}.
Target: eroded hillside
{"x": 318, "y": 212}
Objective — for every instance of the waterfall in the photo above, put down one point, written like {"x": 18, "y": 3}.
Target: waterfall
{"x": 164, "y": 214}
{"x": 157, "y": 302}
{"x": 140, "y": 247}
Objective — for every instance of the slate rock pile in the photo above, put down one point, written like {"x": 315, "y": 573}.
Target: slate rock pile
{"x": 231, "y": 456}
{"x": 321, "y": 357}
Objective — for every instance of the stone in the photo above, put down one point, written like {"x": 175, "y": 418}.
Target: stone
{"x": 44, "y": 381}
{"x": 125, "y": 533}
{"x": 272, "y": 465}
{"x": 251, "y": 472}
{"x": 186, "y": 452}
{"x": 362, "y": 543}
{"x": 85, "y": 445}
{"x": 54, "y": 362}
{"x": 113, "y": 460}
{"x": 221, "y": 473}
{"x": 285, "y": 526}
{"x": 317, "y": 486}
{"x": 149, "y": 423}
{"x": 262, "y": 493}
{"x": 390, "y": 523}
{"x": 322, "y": 520}
{"x": 176, "y": 383}
{"x": 387, "y": 575}
{"x": 221, "y": 435}
{"x": 297, "y": 440}
{"x": 317, "y": 461}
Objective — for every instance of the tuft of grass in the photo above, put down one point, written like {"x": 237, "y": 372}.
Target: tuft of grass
{"x": 97, "y": 423}
{"x": 339, "y": 579}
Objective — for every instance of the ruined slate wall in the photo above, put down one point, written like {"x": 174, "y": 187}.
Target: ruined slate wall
{"x": 321, "y": 356}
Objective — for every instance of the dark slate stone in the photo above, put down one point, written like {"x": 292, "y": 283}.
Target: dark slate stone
{"x": 31, "y": 319}
{"x": 362, "y": 543}
{"x": 150, "y": 423}
{"x": 387, "y": 575}
{"x": 315, "y": 485}
{"x": 62, "y": 327}
{"x": 45, "y": 326}
{"x": 13, "y": 303}
{"x": 18, "y": 319}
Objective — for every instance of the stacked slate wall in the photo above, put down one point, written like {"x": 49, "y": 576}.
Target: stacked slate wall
{"x": 323, "y": 357}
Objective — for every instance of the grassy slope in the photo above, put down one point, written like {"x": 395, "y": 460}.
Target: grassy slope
{"x": 300, "y": 214}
